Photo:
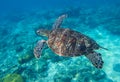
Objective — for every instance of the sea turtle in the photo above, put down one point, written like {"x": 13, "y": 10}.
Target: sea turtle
{"x": 67, "y": 42}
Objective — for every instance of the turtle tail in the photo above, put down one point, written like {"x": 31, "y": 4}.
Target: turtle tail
{"x": 96, "y": 59}
{"x": 103, "y": 48}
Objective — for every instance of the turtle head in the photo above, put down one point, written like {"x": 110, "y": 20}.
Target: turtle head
{"x": 42, "y": 32}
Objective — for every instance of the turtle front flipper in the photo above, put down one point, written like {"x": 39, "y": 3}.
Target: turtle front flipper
{"x": 38, "y": 48}
{"x": 96, "y": 59}
{"x": 59, "y": 21}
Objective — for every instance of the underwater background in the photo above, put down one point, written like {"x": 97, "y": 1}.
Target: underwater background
{"x": 19, "y": 19}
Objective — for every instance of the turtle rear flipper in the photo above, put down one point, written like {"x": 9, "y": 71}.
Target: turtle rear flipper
{"x": 38, "y": 48}
{"x": 96, "y": 59}
{"x": 59, "y": 21}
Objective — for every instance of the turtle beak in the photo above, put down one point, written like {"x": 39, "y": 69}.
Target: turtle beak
{"x": 38, "y": 32}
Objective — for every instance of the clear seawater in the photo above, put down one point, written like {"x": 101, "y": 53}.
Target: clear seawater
{"x": 19, "y": 19}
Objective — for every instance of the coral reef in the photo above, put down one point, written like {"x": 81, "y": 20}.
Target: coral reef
{"x": 13, "y": 78}
{"x": 25, "y": 58}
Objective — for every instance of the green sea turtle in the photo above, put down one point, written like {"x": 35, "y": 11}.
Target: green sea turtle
{"x": 67, "y": 42}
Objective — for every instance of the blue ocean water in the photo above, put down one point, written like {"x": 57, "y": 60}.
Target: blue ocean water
{"x": 19, "y": 19}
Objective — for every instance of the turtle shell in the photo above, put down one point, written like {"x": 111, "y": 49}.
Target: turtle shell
{"x": 66, "y": 42}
